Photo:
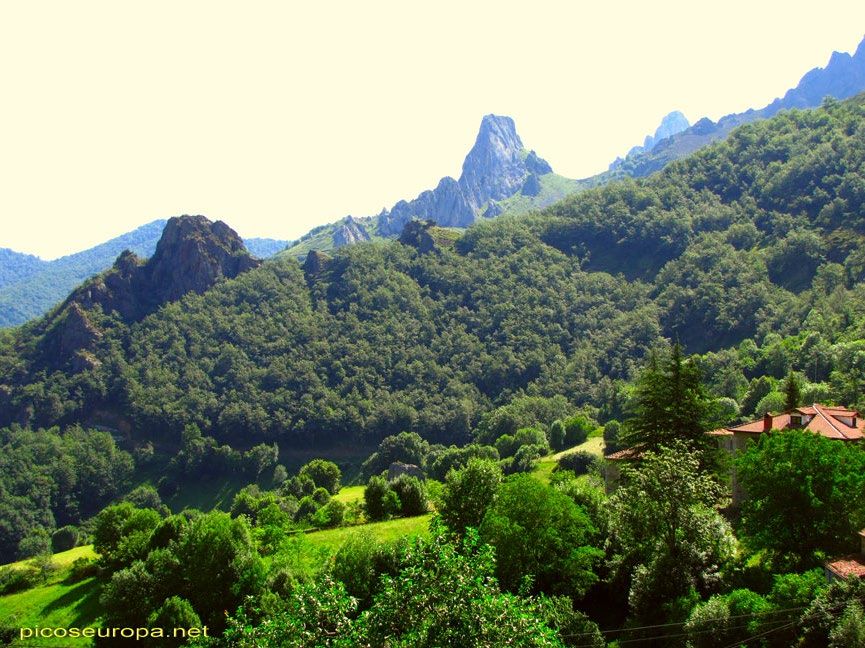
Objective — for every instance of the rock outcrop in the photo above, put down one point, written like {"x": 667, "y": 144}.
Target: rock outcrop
{"x": 349, "y": 232}
{"x": 495, "y": 168}
{"x": 316, "y": 262}
{"x": 531, "y": 186}
{"x": 398, "y": 468}
{"x": 192, "y": 255}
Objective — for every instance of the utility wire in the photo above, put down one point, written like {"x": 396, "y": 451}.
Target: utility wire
{"x": 681, "y": 623}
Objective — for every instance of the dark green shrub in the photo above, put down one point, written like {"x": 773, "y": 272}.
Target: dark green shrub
{"x": 412, "y": 495}
{"x": 580, "y": 462}
{"x": 82, "y": 568}
{"x": 64, "y": 539}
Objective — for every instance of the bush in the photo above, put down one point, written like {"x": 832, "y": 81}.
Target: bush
{"x": 406, "y": 447}
{"x": 538, "y": 531}
{"x": 508, "y": 444}
{"x": 305, "y": 509}
{"x": 18, "y": 579}
{"x": 412, "y": 495}
{"x": 324, "y": 474}
{"x": 361, "y": 561}
{"x": 321, "y": 496}
{"x": 727, "y": 620}
{"x": 557, "y": 435}
{"x": 298, "y": 486}
{"x": 380, "y": 499}
{"x": 580, "y": 462}
{"x": 442, "y": 460}
{"x": 37, "y": 541}
{"x": 145, "y": 496}
{"x": 64, "y": 539}
{"x": 82, "y": 568}
{"x": 523, "y": 460}
{"x": 468, "y": 492}
{"x": 330, "y": 515}
{"x": 577, "y": 429}
{"x": 612, "y": 430}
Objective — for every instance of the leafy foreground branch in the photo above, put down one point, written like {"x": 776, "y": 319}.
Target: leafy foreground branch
{"x": 443, "y": 594}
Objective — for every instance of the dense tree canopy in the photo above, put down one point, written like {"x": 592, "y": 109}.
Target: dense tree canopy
{"x": 804, "y": 494}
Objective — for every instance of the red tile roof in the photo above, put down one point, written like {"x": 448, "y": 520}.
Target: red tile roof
{"x": 849, "y": 566}
{"x": 825, "y": 421}
{"x": 627, "y": 453}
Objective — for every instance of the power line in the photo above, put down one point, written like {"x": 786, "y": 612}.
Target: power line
{"x": 681, "y": 623}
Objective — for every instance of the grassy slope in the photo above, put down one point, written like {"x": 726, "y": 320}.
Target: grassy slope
{"x": 553, "y": 188}
{"x": 546, "y": 465}
{"x": 333, "y": 539}
{"x": 55, "y": 604}
{"x": 62, "y": 605}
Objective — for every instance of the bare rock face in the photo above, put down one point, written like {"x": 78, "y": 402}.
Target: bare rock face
{"x": 315, "y": 263}
{"x": 77, "y": 331}
{"x": 398, "y": 468}
{"x": 349, "y": 232}
{"x": 531, "y": 186}
{"x": 192, "y": 255}
{"x": 496, "y": 168}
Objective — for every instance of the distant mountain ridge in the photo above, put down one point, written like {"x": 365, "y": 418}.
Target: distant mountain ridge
{"x": 29, "y": 286}
{"x": 842, "y": 78}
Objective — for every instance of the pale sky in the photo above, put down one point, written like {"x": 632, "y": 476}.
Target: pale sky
{"x": 278, "y": 116}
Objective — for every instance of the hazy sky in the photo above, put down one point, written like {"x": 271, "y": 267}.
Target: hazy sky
{"x": 278, "y": 116}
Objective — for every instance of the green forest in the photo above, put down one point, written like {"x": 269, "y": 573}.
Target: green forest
{"x": 493, "y": 365}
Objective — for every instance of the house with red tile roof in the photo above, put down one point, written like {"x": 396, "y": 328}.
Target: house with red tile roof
{"x": 853, "y": 565}
{"x": 838, "y": 423}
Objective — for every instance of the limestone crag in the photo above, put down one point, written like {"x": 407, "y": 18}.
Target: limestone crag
{"x": 348, "y": 232}
{"x": 191, "y": 256}
{"x": 495, "y": 168}
{"x": 531, "y": 186}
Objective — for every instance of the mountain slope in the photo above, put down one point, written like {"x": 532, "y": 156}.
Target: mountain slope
{"x": 30, "y": 286}
{"x": 15, "y": 266}
{"x": 749, "y": 240}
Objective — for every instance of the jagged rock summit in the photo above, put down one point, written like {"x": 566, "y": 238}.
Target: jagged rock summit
{"x": 349, "y": 232}
{"x": 672, "y": 124}
{"x": 495, "y": 168}
{"x": 191, "y": 256}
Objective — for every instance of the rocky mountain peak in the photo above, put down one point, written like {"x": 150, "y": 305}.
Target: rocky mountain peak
{"x": 673, "y": 123}
{"x": 495, "y": 168}
{"x": 192, "y": 255}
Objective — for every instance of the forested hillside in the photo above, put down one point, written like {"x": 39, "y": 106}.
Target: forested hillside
{"x": 488, "y": 369}
{"x": 750, "y": 250}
